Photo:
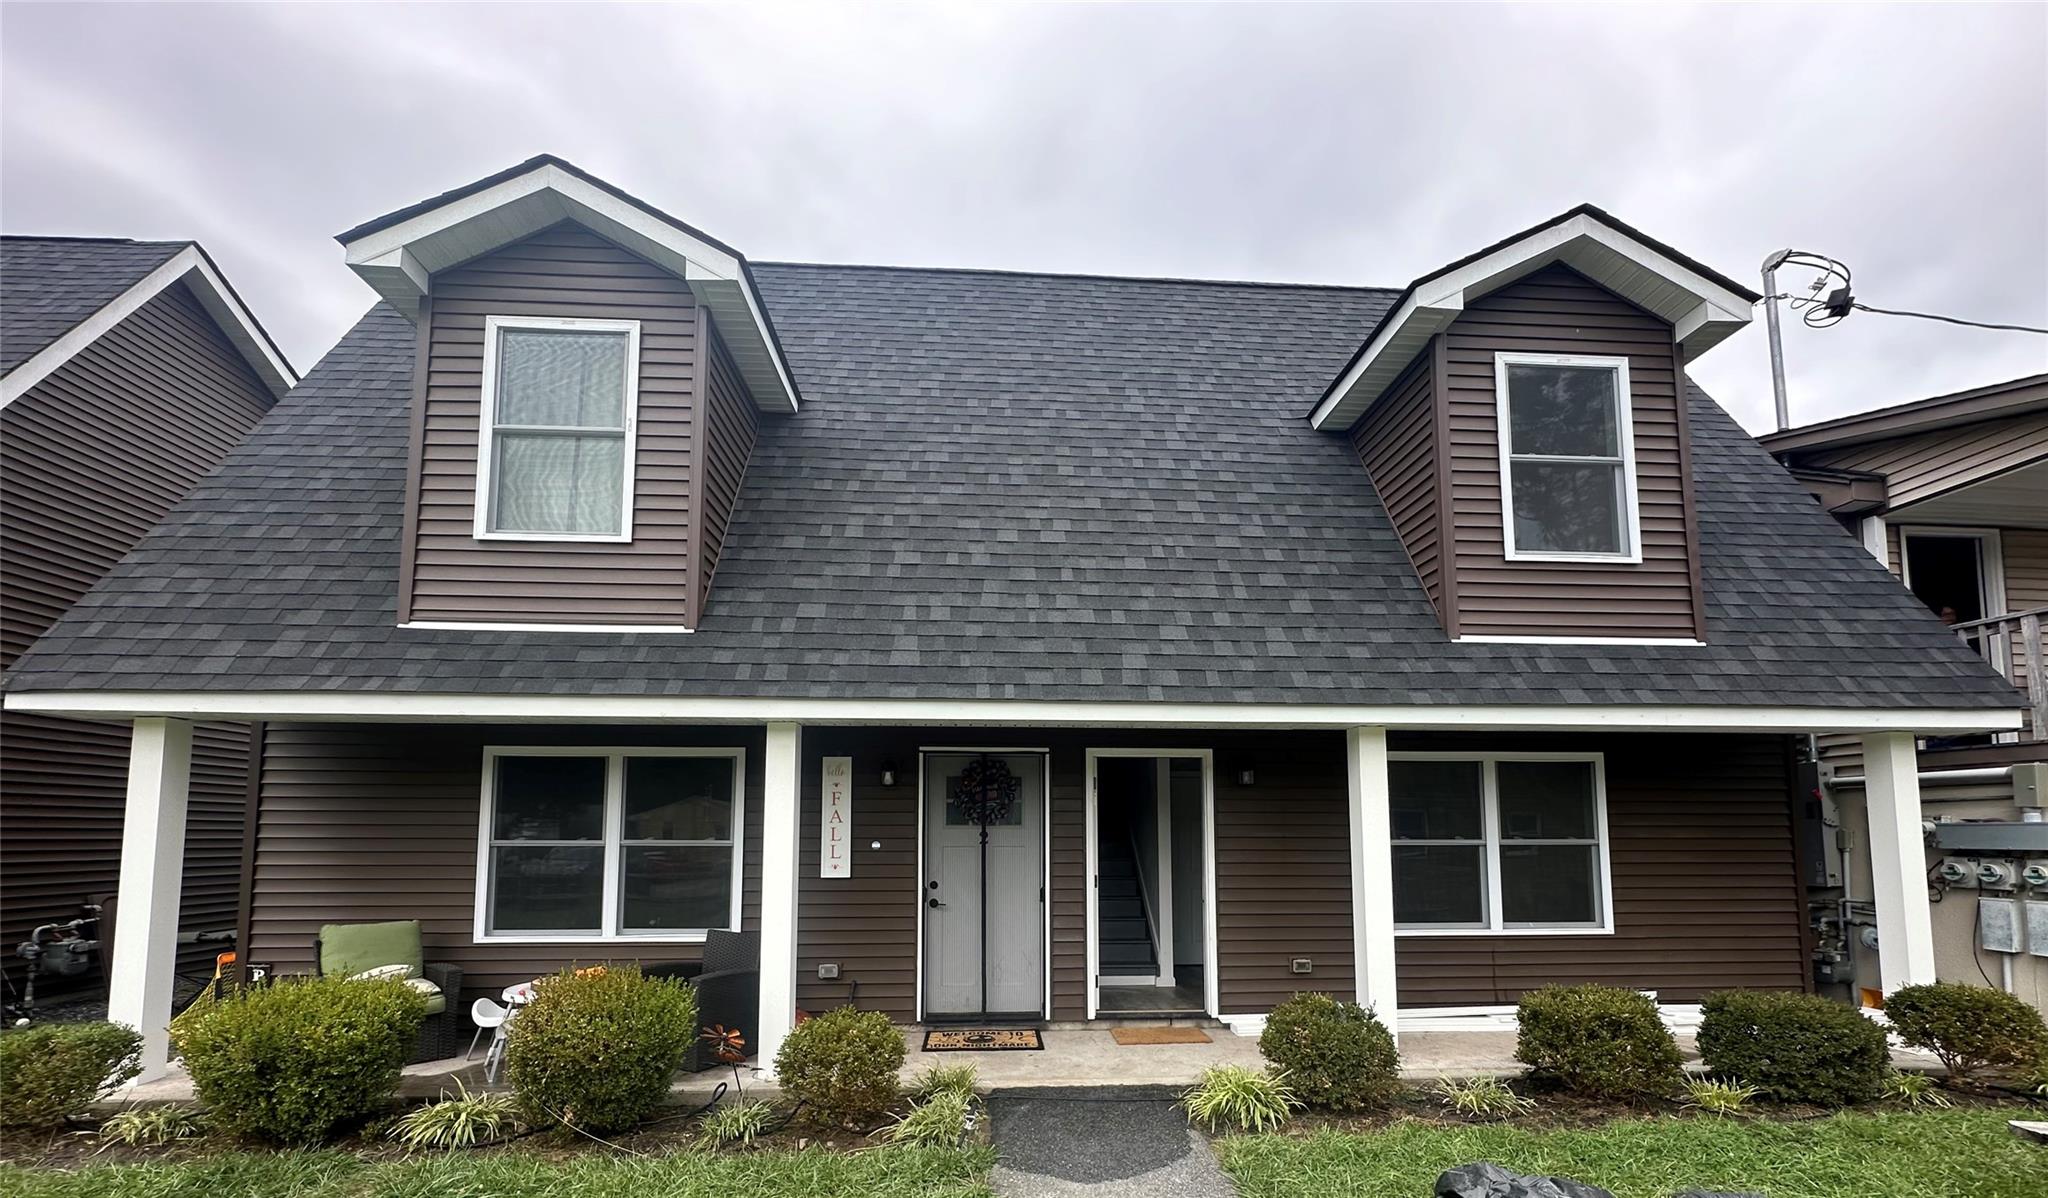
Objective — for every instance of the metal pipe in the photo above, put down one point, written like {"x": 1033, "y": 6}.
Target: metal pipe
{"x": 1771, "y": 265}
{"x": 1990, "y": 773}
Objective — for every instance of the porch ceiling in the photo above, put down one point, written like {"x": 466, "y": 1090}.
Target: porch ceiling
{"x": 2016, "y": 499}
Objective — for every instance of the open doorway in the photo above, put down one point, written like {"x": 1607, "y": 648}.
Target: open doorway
{"x": 1150, "y": 927}
{"x": 1955, "y": 572}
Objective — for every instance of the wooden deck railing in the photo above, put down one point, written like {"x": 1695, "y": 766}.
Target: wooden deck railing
{"x": 2012, "y": 644}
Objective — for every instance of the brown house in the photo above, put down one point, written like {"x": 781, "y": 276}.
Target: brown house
{"x": 1019, "y": 646}
{"x": 129, "y": 369}
{"x": 1951, "y": 494}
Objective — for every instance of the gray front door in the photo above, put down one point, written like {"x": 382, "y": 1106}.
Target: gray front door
{"x": 973, "y": 966}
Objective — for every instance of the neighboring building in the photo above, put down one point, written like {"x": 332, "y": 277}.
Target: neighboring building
{"x": 595, "y": 564}
{"x": 1951, "y": 494}
{"x": 128, "y": 369}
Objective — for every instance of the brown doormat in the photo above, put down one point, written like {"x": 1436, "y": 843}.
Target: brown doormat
{"x": 983, "y": 1039}
{"x": 1159, "y": 1035}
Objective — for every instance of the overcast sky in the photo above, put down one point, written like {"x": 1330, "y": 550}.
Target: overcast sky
{"x": 1362, "y": 145}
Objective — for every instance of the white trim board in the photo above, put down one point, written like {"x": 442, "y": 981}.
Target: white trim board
{"x": 398, "y": 260}
{"x": 456, "y": 708}
{"x": 190, "y": 266}
{"x": 1679, "y": 1017}
{"x": 484, "y": 626}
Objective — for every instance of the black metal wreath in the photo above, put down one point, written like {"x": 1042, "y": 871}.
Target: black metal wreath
{"x": 985, "y": 791}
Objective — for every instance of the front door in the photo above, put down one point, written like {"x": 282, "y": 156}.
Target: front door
{"x": 984, "y": 918}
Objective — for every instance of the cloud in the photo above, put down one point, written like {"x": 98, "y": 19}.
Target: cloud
{"x": 1363, "y": 144}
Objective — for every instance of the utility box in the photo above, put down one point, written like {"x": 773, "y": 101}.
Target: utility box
{"x": 1998, "y": 925}
{"x": 1819, "y": 819}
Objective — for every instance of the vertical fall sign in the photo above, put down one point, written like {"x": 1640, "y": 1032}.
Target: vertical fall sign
{"x": 835, "y": 829}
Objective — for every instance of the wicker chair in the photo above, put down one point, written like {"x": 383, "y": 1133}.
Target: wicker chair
{"x": 728, "y": 991}
{"x": 348, "y": 949}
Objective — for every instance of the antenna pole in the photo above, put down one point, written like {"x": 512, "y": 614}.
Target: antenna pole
{"x": 1771, "y": 265}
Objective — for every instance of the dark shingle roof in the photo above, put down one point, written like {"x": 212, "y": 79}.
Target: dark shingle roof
{"x": 49, "y": 284}
{"x": 1001, "y": 486}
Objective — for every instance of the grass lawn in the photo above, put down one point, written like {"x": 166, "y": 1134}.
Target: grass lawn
{"x": 887, "y": 1173}
{"x": 1950, "y": 1154}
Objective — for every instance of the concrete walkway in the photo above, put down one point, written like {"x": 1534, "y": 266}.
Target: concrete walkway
{"x": 1122, "y": 1142}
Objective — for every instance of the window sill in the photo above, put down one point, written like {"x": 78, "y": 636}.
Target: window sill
{"x": 1587, "y": 559}
{"x": 570, "y": 538}
{"x": 1400, "y": 933}
{"x": 591, "y": 938}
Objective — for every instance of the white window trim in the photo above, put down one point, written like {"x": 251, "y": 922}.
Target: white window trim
{"x": 614, "y": 853}
{"x": 1632, "y": 521}
{"x": 1490, "y": 792}
{"x": 487, "y": 421}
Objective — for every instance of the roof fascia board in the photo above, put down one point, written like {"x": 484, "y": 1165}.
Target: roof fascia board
{"x": 192, "y": 267}
{"x": 2014, "y": 398}
{"x": 327, "y": 705}
{"x": 1718, "y": 312}
{"x": 547, "y": 194}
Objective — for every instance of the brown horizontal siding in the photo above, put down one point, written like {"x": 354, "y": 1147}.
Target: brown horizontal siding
{"x": 564, "y": 272}
{"x": 1396, "y": 441}
{"x": 733, "y": 425}
{"x": 1559, "y": 311}
{"x": 1706, "y": 892}
{"x": 1928, "y": 464}
{"x": 91, "y": 458}
{"x": 365, "y": 822}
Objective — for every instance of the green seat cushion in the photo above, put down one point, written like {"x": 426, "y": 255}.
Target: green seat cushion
{"x": 347, "y": 949}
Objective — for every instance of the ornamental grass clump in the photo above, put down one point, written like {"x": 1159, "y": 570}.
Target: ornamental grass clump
{"x": 51, "y": 1073}
{"x": 1597, "y": 1041}
{"x": 1236, "y": 1097}
{"x": 152, "y": 1126}
{"x": 1794, "y": 1047}
{"x": 597, "y": 1048}
{"x": 297, "y": 1061}
{"x": 735, "y": 1123}
{"x": 939, "y": 1121}
{"x": 1977, "y": 1033}
{"x": 463, "y": 1121}
{"x": 1337, "y": 1055}
{"x": 1481, "y": 1098}
{"x": 842, "y": 1065}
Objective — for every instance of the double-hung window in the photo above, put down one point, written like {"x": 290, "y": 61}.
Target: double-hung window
{"x": 586, "y": 844}
{"x": 1489, "y": 844}
{"x": 555, "y": 438}
{"x": 1567, "y": 458}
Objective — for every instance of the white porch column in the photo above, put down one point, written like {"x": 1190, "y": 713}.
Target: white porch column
{"x": 152, "y": 865}
{"x": 1372, "y": 871}
{"x": 1898, "y": 860}
{"x": 781, "y": 816}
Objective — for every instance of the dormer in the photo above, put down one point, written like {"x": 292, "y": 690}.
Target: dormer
{"x": 590, "y": 378}
{"x": 1522, "y": 414}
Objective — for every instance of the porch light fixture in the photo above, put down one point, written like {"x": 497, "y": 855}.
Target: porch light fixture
{"x": 889, "y": 773}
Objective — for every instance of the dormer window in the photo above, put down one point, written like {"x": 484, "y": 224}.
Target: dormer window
{"x": 1567, "y": 455}
{"x": 555, "y": 453}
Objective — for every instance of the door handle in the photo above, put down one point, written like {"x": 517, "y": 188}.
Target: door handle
{"x": 933, "y": 903}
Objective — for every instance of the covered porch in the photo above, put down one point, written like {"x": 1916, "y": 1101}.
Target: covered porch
{"x": 377, "y": 807}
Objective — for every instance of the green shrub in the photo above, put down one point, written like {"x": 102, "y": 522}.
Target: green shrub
{"x": 463, "y": 1121}
{"x": 598, "y": 1047}
{"x": 151, "y": 1126}
{"x": 53, "y": 1072}
{"x": 296, "y": 1061}
{"x": 843, "y": 1065}
{"x": 1234, "y": 1096}
{"x": 1336, "y": 1054}
{"x": 1599, "y": 1041}
{"x": 1976, "y": 1032}
{"x": 1794, "y": 1047}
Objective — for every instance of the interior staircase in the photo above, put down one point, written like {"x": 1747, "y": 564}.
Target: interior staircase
{"x": 1126, "y": 948}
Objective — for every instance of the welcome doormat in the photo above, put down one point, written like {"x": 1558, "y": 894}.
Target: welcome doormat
{"x": 983, "y": 1039}
{"x": 1159, "y": 1035}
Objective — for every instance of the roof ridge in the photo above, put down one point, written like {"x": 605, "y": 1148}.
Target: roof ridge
{"x": 97, "y": 240}
{"x": 1070, "y": 274}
